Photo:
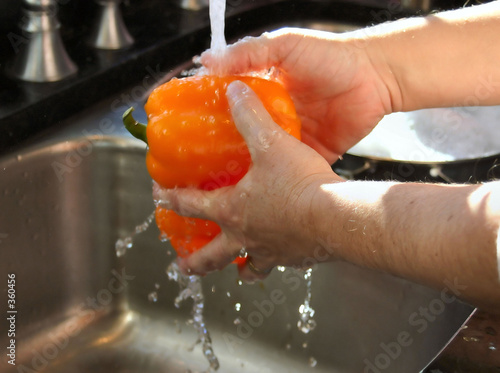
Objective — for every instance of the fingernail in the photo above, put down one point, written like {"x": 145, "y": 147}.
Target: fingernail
{"x": 236, "y": 89}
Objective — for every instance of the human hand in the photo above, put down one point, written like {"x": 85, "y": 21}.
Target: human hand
{"x": 268, "y": 211}
{"x": 337, "y": 91}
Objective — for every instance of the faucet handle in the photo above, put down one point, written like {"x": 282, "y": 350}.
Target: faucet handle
{"x": 110, "y": 31}
{"x": 45, "y": 4}
{"x": 43, "y": 58}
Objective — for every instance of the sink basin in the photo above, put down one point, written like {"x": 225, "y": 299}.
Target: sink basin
{"x": 80, "y": 308}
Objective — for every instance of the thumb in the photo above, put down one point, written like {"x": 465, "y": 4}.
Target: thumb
{"x": 252, "y": 119}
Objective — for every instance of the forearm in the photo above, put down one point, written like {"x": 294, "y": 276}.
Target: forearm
{"x": 426, "y": 233}
{"x": 447, "y": 59}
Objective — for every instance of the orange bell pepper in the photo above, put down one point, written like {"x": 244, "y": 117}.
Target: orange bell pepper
{"x": 193, "y": 142}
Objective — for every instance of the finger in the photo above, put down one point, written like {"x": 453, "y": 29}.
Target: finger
{"x": 213, "y": 256}
{"x": 189, "y": 202}
{"x": 251, "y": 118}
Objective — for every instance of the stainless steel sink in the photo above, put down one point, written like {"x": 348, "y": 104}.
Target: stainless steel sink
{"x": 80, "y": 308}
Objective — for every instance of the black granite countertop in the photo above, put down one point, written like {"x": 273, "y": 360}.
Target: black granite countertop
{"x": 165, "y": 35}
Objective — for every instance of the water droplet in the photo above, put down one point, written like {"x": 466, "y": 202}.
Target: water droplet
{"x": 237, "y": 307}
{"x": 306, "y": 326}
{"x": 492, "y": 346}
{"x": 243, "y": 252}
{"x": 213, "y": 289}
{"x": 190, "y": 287}
{"x": 228, "y": 294}
{"x": 163, "y": 237}
{"x": 125, "y": 243}
{"x": 312, "y": 362}
{"x": 237, "y": 321}
{"x": 239, "y": 282}
{"x": 281, "y": 268}
{"x": 153, "y": 296}
{"x": 265, "y": 137}
{"x": 304, "y": 345}
{"x": 122, "y": 245}
{"x": 306, "y": 322}
{"x": 157, "y": 286}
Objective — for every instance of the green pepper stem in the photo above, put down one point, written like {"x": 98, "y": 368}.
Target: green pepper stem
{"x": 136, "y": 129}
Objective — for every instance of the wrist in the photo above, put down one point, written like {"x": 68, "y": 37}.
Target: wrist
{"x": 383, "y": 68}
{"x": 371, "y": 46}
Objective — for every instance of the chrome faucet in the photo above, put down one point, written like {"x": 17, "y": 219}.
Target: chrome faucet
{"x": 43, "y": 58}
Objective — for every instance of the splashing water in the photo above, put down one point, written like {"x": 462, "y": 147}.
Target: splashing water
{"x": 218, "y": 45}
{"x": 217, "y": 11}
{"x": 190, "y": 287}
{"x": 306, "y": 322}
{"x": 312, "y": 362}
{"x": 122, "y": 244}
{"x": 153, "y": 296}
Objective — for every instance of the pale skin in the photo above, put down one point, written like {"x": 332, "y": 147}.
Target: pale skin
{"x": 290, "y": 203}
